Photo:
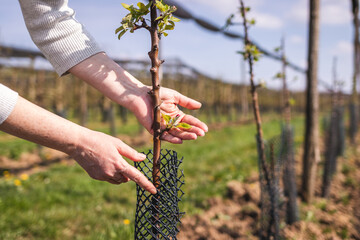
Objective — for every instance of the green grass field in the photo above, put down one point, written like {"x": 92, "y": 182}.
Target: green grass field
{"x": 64, "y": 203}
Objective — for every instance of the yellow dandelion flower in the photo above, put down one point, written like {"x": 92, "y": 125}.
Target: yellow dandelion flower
{"x": 17, "y": 182}
{"x": 126, "y": 221}
{"x": 47, "y": 156}
{"x": 7, "y": 174}
{"x": 24, "y": 177}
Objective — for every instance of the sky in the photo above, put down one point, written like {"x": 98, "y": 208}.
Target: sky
{"x": 213, "y": 53}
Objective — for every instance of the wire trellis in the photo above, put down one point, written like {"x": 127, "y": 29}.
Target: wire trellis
{"x": 158, "y": 216}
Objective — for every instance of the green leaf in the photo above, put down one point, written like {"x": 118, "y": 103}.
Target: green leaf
{"x": 169, "y": 27}
{"x": 160, "y": 6}
{"x": 184, "y": 125}
{"x": 278, "y": 75}
{"x": 119, "y": 29}
{"x": 165, "y": 34}
{"x": 121, "y": 34}
{"x": 174, "y": 19}
{"x": 141, "y": 6}
{"x": 292, "y": 102}
{"x": 159, "y": 18}
{"x": 167, "y": 118}
{"x": 126, "y": 6}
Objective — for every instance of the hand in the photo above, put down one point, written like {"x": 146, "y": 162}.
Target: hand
{"x": 114, "y": 82}
{"x": 101, "y": 157}
{"x": 170, "y": 100}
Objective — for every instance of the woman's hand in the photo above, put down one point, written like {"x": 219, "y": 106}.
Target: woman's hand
{"x": 102, "y": 158}
{"x": 99, "y": 154}
{"x": 114, "y": 82}
{"x": 170, "y": 99}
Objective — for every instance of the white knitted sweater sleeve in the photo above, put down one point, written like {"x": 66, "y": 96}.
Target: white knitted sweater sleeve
{"x": 8, "y": 99}
{"x": 56, "y": 32}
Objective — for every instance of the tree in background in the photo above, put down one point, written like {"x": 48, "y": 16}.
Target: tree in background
{"x": 354, "y": 101}
{"x": 311, "y": 145}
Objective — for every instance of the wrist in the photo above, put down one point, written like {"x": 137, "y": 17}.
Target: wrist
{"x": 76, "y": 140}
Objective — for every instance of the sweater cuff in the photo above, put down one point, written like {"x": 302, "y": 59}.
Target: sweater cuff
{"x": 8, "y": 99}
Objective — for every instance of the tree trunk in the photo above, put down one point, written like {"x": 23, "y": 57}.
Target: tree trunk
{"x": 244, "y": 92}
{"x": 289, "y": 173}
{"x": 354, "y": 101}
{"x": 311, "y": 145}
{"x": 155, "y": 94}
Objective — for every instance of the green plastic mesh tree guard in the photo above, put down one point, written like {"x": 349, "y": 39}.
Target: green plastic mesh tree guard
{"x": 158, "y": 216}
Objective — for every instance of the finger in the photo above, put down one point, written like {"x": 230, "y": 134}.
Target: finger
{"x": 187, "y": 102}
{"x": 136, "y": 176}
{"x": 114, "y": 182}
{"x": 195, "y": 122}
{"x": 129, "y": 152}
{"x": 170, "y": 138}
{"x": 118, "y": 177}
{"x": 183, "y": 135}
{"x": 196, "y": 130}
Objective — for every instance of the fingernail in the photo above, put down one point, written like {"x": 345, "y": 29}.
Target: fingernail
{"x": 153, "y": 190}
{"x": 141, "y": 156}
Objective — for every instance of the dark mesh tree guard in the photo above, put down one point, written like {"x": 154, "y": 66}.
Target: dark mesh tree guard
{"x": 341, "y": 131}
{"x": 353, "y": 126}
{"x": 270, "y": 193}
{"x": 335, "y": 143}
{"x": 158, "y": 216}
{"x": 289, "y": 175}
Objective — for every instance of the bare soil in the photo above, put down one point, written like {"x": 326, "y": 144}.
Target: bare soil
{"x": 236, "y": 216}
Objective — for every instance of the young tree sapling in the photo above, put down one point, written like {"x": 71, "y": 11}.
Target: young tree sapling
{"x": 252, "y": 54}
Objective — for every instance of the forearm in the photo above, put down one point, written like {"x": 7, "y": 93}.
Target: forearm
{"x": 97, "y": 153}
{"x": 38, "y": 125}
{"x": 112, "y": 80}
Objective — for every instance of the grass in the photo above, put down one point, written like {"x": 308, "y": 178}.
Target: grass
{"x": 64, "y": 203}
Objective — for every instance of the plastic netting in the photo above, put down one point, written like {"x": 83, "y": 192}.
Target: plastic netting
{"x": 269, "y": 184}
{"x": 335, "y": 145}
{"x": 353, "y": 126}
{"x": 158, "y": 216}
{"x": 289, "y": 176}
{"x": 278, "y": 184}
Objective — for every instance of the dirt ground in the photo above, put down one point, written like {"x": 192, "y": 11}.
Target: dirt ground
{"x": 236, "y": 216}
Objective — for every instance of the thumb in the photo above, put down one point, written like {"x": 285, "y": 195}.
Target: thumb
{"x": 129, "y": 152}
